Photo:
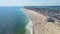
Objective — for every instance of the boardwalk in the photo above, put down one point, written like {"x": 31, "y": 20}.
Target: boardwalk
{"x": 40, "y": 26}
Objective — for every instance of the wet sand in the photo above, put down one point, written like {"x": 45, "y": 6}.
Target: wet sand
{"x": 40, "y": 25}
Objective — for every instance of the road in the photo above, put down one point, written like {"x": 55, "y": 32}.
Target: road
{"x": 40, "y": 25}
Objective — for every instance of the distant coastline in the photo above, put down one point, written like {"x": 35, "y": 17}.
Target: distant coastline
{"x": 47, "y": 10}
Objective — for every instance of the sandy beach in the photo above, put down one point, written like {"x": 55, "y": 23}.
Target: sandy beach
{"x": 40, "y": 25}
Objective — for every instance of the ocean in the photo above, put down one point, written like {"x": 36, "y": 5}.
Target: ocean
{"x": 51, "y": 7}
{"x": 13, "y": 20}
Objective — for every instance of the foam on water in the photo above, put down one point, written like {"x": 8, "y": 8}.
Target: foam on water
{"x": 13, "y": 20}
{"x": 29, "y": 25}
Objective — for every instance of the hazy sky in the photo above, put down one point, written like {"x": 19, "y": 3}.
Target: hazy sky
{"x": 29, "y": 2}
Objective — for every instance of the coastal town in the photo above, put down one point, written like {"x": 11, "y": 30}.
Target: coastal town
{"x": 45, "y": 20}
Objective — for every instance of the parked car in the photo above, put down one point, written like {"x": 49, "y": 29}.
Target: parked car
{"x": 50, "y": 19}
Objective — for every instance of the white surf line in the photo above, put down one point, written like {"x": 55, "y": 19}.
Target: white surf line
{"x": 29, "y": 26}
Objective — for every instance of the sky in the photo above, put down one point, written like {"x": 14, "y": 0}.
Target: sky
{"x": 29, "y": 2}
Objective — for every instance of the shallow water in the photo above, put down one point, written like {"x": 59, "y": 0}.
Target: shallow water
{"x": 13, "y": 20}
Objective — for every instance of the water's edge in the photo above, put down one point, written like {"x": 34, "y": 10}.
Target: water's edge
{"x": 29, "y": 25}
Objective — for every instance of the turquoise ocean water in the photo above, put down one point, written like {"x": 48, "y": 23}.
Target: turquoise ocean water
{"x": 13, "y": 20}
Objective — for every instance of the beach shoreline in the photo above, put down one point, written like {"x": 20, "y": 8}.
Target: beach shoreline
{"x": 40, "y": 26}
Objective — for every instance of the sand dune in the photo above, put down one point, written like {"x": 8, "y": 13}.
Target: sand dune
{"x": 40, "y": 25}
